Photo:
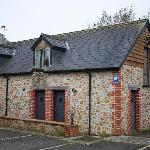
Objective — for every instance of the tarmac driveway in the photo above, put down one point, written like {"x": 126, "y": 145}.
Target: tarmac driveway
{"x": 14, "y": 140}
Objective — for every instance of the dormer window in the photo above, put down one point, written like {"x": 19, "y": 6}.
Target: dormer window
{"x": 42, "y": 58}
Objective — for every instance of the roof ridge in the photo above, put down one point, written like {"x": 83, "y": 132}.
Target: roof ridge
{"x": 96, "y": 28}
{"x": 52, "y": 36}
{"x": 125, "y": 23}
{"x": 62, "y": 35}
{"x": 23, "y": 41}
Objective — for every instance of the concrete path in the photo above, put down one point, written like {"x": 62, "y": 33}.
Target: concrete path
{"x": 145, "y": 141}
{"x": 129, "y": 139}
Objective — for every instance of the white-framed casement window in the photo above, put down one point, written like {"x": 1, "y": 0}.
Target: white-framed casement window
{"x": 42, "y": 58}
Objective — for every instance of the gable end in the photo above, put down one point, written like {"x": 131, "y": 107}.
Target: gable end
{"x": 135, "y": 56}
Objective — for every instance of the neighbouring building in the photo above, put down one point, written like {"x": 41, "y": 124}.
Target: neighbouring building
{"x": 94, "y": 81}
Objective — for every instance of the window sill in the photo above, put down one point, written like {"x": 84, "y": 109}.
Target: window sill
{"x": 37, "y": 121}
{"x": 43, "y": 69}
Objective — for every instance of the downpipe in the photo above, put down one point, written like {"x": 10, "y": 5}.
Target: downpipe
{"x": 6, "y": 96}
{"x": 90, "y": 89}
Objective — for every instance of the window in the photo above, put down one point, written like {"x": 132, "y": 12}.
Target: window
{"x": 146, "y": 67}
{"x": 42, "y": 58}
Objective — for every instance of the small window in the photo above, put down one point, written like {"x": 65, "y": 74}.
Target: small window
{"x": 146, "y": 67}
{"x": 60, "y": 100}
{"x": 42, "y": 58}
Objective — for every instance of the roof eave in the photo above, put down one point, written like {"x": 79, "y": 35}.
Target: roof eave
{"x": 63, "y": 71}
{"x": 5, "y": 55}
{"x": 83, "y": 70}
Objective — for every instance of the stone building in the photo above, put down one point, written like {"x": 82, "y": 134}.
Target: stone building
{"x": 94, "y": 81}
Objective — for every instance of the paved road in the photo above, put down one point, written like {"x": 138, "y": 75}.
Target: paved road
{"x": 12, "y": 140}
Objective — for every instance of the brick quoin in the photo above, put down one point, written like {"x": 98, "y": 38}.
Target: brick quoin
{"x": 138, "y": 111}
{"x": 49, "y": 105}
{"x": 32, "y": 104}
{"x": 66, "y": 105}
{"x": 116, "y": 105}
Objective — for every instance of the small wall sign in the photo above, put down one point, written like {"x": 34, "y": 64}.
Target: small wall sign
{"x": 115, "y": 78}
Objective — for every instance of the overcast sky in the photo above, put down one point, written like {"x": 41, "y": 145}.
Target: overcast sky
{"x": 26, "y": 19}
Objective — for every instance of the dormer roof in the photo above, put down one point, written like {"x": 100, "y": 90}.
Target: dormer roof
{"x": 52, "y": 42}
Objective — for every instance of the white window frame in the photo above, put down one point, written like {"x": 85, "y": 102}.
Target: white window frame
{"x": 41, "y": 58}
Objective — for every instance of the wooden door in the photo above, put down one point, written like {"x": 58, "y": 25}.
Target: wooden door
{"x": 40, "y": 104}
{"x": 59, "y": 97}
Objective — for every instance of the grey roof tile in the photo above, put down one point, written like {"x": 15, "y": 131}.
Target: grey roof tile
{"x": 98, "y": 48}
{"x": 22, "y": 61}
{"x": 6, "y": 50}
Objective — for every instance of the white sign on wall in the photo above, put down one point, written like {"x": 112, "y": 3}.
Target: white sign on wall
{"x": 115, "y": 78}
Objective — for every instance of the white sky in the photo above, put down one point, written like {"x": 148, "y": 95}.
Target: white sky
{"x": 26, "y": 19}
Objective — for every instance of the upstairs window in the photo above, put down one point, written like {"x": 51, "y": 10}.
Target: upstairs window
{"x": 42, "y": 58}
{"x": 146, "y": 71}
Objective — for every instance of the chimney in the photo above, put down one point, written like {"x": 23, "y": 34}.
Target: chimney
{"x": 3, "y": 40}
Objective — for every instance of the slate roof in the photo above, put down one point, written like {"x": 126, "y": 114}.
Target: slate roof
{"x": 99, "y": 48}
{"x": 21, "y": 61}
{"x": 54, "y": 41}
{"x": 6, "y": 50}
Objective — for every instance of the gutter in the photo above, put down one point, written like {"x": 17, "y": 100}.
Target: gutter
{"x": 6, "y": 97}
{"x": 90, "y": 89}
{"x": 61, "y": 71}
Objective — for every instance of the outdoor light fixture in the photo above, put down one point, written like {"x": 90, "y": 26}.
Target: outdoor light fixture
{"x": 72, "y": 118}
{"x": 74, "y": 90}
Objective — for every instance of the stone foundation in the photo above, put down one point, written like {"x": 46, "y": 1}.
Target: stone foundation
{"x": 45, "y": 127}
